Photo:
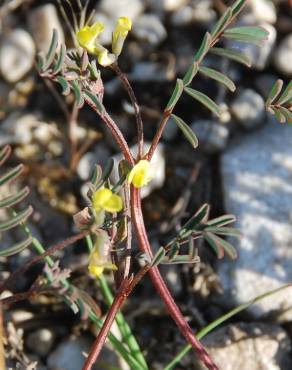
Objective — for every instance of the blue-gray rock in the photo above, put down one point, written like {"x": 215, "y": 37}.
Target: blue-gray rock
{"x": 121, "y": 8}
{"x": 212, "y": 135}
{"x": 283, "y": 56}
{"x": 148, "y": 27}
{"x": 257, "y": 186}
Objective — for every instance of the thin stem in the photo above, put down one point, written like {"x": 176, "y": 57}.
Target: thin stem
{"x": 161, "y": 286}
{"x": 2, "y": 336}
{"x": 123, "y": 78}
{"x": 214, "y": 324}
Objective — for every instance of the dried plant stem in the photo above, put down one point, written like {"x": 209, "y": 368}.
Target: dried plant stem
{"x": 161, "y": 286}
{"x": 123, "y": 78}
{"x": 2, "y": 357}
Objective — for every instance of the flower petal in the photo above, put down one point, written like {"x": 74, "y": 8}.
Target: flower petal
{"x": 114, "y": 204}
{"x": 141, "y": 174}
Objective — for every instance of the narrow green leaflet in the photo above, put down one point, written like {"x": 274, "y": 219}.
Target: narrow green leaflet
{"x": 191, "y": 224}
{"x": 274, "y": 93}
{"x": 222, "y": 220}
{"x": 186, "y": 130}
{"x": 41, "y": 60}
{"x": 17, "y": 248}
{"x": 4, "y": 154}
{"x": 204, "y": 99}
{"x": 221, "y": 244}
{"x": 286, "y": 113}
{"x": 253, "y": 35}
{"x": 108, "y": 169}
{"x": 232, "y": 54}
{"x": 205, "y": 46}
{"x": 179, "y": 87}
{"x": 52, "y": 50}
{"x": 93, "y": 99}
{"x": 191, "y": 72}
{"x": 64, "y": 84}
{"x": 61, "y": 57}
{"x": 227, "y": 231}
{"x": 222, "y": 23}
{"x": 173, "y": 252}
{"x": 217, "y": 247}
{"x": 159, "y": 256}
{"x": 11, "y": 175}
{"x": 14, "y": 199}
{"x": 237, "y": 7}
{"x": 180, "y": 259}
{"x": 278, "y": 114}
{"x": 16, "y": 220}
{"x": 218, "y": 76}
{"x": 77, "y": 93}
{"x": 287, "y": 94}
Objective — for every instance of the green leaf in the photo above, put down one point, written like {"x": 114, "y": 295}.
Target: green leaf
{"x": 253, "y": 35}
{"x": 191, "y": 72}
{"x": 61, "y": 57}
{"x": 286, "y": 113}
{"x": 77, "y": 93}
{"x": 221, "y": 244}
{"x": 237, "y": 7}
{"x": 5, "y": 153}
{"x": 11, "y": 175}
{"x": 222, "y": 220}
{"x": 179, "y": 87}
{"x": 186, "y": 130}
{"x": 159, "y": 256}
{"x": 17, "y": 248}
{"x": 16, "y": 220}
{"x": 180, "y": 259}
{"x": 217, "y": 247}
{"x": 96, "y": 176}
{"x": 274, "y": 93}
{"x": 218, "y": 76}
{"x": 222, "y": 23}
{"x": 52, "y": 50}
{"x": 278, "y": 114}
{"x": 12, "y": 200}
{"x": 191, "y": 224}
{"x": 205, "y": 46}
{"x": 228, "y": 231}
{"x": 232, "y": 54}
{"x": 204, "y": 99}
{"x": 172, "y": 253}
{"x": 64, "y": 84}
{"x": 41, "y": 60}
{"x": 287, "y": 94}
{"x": 93, "y": 99}
{"x": 108, "y": 169}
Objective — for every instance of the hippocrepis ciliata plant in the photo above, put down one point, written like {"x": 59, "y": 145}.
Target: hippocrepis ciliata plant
{"x": 114, "y": 211}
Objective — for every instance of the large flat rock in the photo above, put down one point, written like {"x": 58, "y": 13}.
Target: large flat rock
{"x": 257, "y": 186}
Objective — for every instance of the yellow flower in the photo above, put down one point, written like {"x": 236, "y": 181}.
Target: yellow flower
{"x": 105, "y": 199}
{"x": 87, "y": 36}
{"x": 105, "y": 58}
{"x": 141, "y": 174}
{"x": 120, "y": 33}
{"x": 99, "y": 258}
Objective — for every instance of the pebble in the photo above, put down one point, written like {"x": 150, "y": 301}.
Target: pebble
{"x": 158, "y": 163}
{"x": 148, "y": 27}
{"x": 42, "y": 21}
{"x": 171, "y": 130}
{"x": 249, "y": 346}
{"x": 264, "y": 83}
{"x": 248, "y": 108}
{"x": 40, "y": 341}
{"x": 167, "y": 5}
{"x": 283, "y": 56}
{"x": 99, "y": 155}
{"x": 212, "y": 136}
{"x": 17, "y": 54}
{"x": 149, "y": 71}
{"x": 256, "y": 179}
{"x": 121, "y": 8}
{"x": 264, "y": 10}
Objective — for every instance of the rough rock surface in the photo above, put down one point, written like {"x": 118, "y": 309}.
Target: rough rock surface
{"x": 257, "y": 186}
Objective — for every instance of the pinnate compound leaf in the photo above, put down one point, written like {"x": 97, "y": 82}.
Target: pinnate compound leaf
{"x": 191, "y": 225}
{"x": 220, "y": 245}
{"x": 218, "y": 76}
{"x": 17, "y": 248}
{"x": 287, "y": 95}
{"x": 16, "y": 220}
{"x": 274, "y": 93}
{"x": 186, "y": 130}
{"x": 203, "y": 99}
{"x": 179, "y": 87}
{"x": 232, "y": 54}
{"x": 253, "y": 35}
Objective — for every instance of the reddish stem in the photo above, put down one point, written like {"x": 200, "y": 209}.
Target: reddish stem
{"x": 160, "y": 285}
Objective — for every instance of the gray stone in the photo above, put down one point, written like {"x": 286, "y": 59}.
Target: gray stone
{"x": 119, "y": 8}
{"x": 17, "y": 53}
{"x": 148, "y": 27}
{"x": 264, "y": 10}
{"x": 264, "y": 83}
{"x": 283, "y": 56}
{"x": 256, "y": 176}
{"x": 183, "y": 16}
{"x": 148, "y": 71}
{"x": 171, "y": 130}
{"x": 253, "y": 346}
{"x": 167, "y": 5}
{"x": 99, "y": 155}
{"x": 212, "y": 135}
{"x": 40, "y": 341}
{"x": 248, "y": 108}
{"x": 203, "y": 12}
{"x": 42, "y": 21}
{"x": 158, "y": 165}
